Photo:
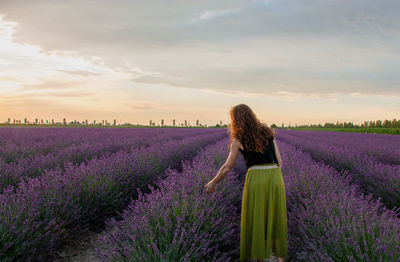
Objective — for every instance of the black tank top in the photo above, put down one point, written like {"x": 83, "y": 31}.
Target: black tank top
{"x": 255, "y": 158}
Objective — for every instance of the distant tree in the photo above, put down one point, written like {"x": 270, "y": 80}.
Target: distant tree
{"x": 329, "y": 125}
{"x": 387, "y": 123}
{"x": 395, "y": 123}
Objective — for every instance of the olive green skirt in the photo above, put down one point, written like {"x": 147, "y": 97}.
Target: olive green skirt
{"x": 263, "y": 226}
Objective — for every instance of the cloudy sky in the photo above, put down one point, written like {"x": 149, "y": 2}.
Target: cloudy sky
{"x": 293, "y": 62}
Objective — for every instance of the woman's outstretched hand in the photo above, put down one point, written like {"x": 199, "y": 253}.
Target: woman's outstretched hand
{"x": 210, "y": 186}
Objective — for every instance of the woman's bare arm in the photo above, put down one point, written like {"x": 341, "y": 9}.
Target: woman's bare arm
{"x": 230, "y": 161}
{"x": 278, "y": 155}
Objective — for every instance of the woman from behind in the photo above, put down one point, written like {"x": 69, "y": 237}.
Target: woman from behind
{"x": 263, "y": 228}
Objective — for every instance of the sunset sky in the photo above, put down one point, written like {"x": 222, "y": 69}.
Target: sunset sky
{"x": 293, "y": 62}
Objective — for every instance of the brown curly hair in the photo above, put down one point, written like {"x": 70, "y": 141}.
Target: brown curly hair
{"x": 246, "y": 128}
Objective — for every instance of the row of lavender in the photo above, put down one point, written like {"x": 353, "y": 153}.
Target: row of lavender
{"x": 372, "y": 160}
{"x": 178, "y": 221}
{"x": 27, "y": 142}
{"x": 18, "y": 143}
{"x": 328, "y": 218}
{"x": 48, "y": 210}
{"x": 385, "y": 148}
{"x": 50, "y": 149}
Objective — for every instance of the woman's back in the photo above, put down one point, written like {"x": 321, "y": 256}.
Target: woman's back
{"x": 255, "y": 158}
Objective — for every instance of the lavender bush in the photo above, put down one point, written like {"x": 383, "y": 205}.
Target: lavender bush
{"x": 179, "y": 221}
{"x": 331, "y": 220}
{"x": 382, "y": 147}
{"x": 374, "y": 176}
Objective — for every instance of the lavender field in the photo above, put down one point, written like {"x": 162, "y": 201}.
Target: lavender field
{"x": 145, "y": 189}
{"x": 41, "y": 211}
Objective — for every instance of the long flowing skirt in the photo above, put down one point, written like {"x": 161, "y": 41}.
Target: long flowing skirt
{"x": 263, "y": 230}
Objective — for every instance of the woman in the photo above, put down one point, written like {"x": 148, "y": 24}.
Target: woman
{"x": 263, "y": 228}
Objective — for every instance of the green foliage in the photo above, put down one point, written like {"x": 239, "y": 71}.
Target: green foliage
{"x": 377, "y": 130}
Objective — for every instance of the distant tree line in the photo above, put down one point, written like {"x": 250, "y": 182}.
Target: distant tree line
{"x": 64, "y": 122}
{"x": 366, "y": 124}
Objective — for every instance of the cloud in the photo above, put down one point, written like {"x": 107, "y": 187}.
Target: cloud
{"x": 79, "y": 72}
{"x": 47, "y": 85}
{"x": 8, "y": 79}
{"x": 307, "y": 48}
{"x": 142, "y": 106}
{"x": 210, "y": 14}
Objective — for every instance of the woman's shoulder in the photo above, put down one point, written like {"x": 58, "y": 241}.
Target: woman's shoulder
{"x": 237, "y": 142}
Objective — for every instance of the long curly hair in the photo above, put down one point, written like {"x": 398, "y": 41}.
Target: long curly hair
{"x": 248, "y": 129}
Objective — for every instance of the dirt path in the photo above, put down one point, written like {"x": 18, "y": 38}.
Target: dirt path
{"x": 79, "y": 250}
{"x": 83, "y": 251}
